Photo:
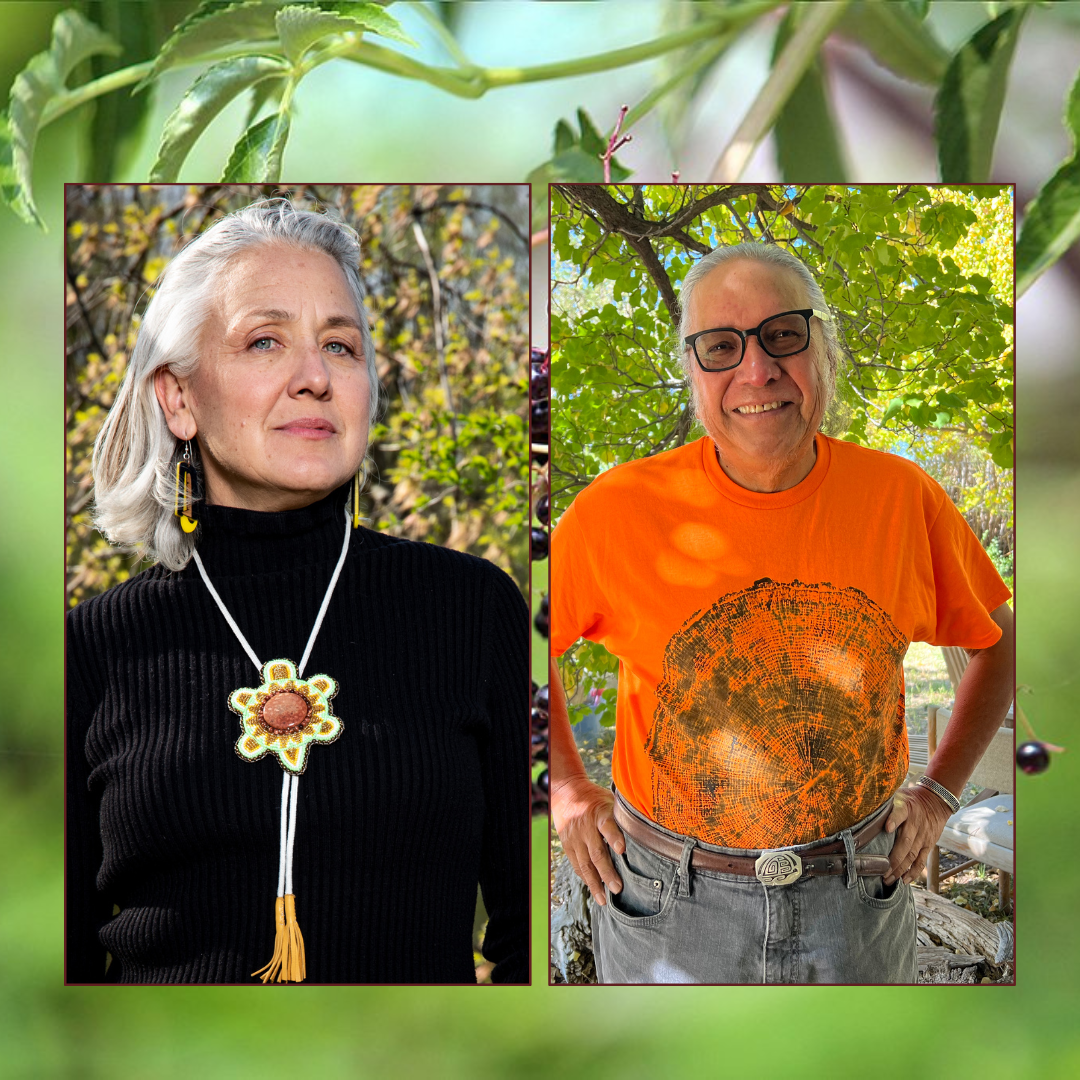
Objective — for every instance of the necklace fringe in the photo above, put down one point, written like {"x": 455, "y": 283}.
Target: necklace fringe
{"x": 289, "y": 963}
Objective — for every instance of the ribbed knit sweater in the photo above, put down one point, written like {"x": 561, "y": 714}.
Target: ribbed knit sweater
{"x": 425, "y": 794}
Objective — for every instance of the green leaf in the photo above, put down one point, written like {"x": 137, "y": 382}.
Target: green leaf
{"x": 564, "y": 136}
{"x": 261, "y": 93}
{"x": 1051, "y": 225}
{"x": 1052, "y": 219}
{"x": 897, "y": 39}
{"x": 217, "y": 23}
{"x": 883, "y": 252}
{"x": 256, "y": 158}
{"x": 967, "y": 109}
{"x": 205, "y": 98}
{"x": 1001, "y": 449}
{"x": 212, "y": 25}
{"x": 592, "y": 141}
{"x": 44, "y": 78}
{"x": 301, "y": 27}
{"x": 807, "y": 144}
{"x": 892, "y": 409}
{"x": 8, "y": 178}
{"x": 371, "y": 17}
{"x": 577, "y": 157}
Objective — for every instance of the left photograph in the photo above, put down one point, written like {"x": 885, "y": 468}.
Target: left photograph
{"x": 297, "y": 535}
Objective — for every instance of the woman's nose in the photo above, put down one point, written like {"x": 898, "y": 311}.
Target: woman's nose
{"x": 312, "y": 374}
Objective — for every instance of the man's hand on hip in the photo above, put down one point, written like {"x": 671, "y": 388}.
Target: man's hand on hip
{"x": 584, "y": 817}
{"x": 920, "y": 817}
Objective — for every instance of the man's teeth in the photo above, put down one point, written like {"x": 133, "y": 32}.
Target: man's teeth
{"x": 759, "y": 408}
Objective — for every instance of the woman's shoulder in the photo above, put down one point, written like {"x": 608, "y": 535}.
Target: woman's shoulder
{"x": 121, "y": 597}
{"x": 449, "y": 568}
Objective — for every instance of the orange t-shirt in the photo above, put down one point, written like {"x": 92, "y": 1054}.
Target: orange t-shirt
{"x": 761, "y": 637}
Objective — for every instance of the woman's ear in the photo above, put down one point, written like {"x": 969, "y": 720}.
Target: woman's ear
{"x": 172, "y": 397}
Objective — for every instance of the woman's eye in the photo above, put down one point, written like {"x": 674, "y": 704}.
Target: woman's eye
{"x": 339, "y": 347}
{"x": 263, "y": 344}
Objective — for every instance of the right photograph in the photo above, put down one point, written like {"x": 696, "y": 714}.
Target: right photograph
{"x": 781, "y": 734}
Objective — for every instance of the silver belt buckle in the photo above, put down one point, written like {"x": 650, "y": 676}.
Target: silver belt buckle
{"x": 778, "y": 867}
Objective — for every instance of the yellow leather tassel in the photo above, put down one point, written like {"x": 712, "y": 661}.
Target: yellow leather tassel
{"x": 356, "y": 501}
{"x": 273, "y": 969}
{"x": 288, "y": 964}
{"x": 293, "y": 961}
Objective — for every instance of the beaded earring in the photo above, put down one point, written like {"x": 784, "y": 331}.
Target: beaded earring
{"x": 185, "y": 491}
{"x": 356, "y": 498}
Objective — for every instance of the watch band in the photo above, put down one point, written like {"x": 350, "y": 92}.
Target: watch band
{"x": 943, "y": 793}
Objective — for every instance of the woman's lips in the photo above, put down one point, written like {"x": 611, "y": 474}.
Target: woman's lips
{"x": 309, "y": 429}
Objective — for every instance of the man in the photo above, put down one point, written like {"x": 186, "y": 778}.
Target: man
{"x": 760, "y": 588}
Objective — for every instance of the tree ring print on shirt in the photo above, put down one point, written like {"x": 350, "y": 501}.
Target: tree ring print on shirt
{"x": 780, "y": 716}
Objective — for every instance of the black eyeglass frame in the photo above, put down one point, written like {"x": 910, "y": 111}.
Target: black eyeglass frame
{"x": 691, "y": 341}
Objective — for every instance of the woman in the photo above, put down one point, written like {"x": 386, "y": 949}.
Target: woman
{"x": 285, "y": 696}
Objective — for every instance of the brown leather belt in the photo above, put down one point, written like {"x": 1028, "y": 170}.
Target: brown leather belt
{"x": 820, "y": 861}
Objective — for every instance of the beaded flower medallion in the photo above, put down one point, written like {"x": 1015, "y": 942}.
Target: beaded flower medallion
{"x": 285, "y": 715}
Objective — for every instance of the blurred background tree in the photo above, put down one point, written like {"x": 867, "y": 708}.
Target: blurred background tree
{"x": 446, "y": 270}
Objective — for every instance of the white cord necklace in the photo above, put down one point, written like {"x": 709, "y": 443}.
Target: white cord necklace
{"x": 284, "y": 716}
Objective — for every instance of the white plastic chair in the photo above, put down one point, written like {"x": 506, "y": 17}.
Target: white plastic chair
{"x": 984, "y": 829}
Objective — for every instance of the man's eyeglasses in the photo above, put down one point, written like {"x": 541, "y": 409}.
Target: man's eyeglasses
{"x": 779, "y": 335}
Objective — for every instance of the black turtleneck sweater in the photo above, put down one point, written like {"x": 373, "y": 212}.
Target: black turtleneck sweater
{"x": 425, "y": 794}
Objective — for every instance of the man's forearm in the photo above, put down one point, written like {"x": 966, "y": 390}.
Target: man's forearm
{"x": 982, "y": 700}
{"x": 565, "y": 762}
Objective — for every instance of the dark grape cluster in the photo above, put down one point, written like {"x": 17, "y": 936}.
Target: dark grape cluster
{"x": 539, "y": 405}
{"x": 538, "y": 544}
{"x": 542, "y": 620}
{"x": 539, "y": 736}
{"x": 539, "y": 433}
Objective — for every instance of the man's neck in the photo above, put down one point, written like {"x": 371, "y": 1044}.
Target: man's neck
{"x": 786, "y": 474}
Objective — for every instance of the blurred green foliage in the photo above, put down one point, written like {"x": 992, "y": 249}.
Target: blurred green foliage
{"x": 115, "y": 1032}
{"x": 262, "y": 50}
{"x": 452, "y": 472}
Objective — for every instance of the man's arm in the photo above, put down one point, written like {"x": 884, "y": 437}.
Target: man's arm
{"x": 982, "y": 700}
{"x": 581, "y": 811}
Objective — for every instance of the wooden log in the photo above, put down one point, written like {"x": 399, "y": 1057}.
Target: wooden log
{"x": 938, "y": 965}
{"x": 945, "y": 923}
{"x": 571, "y": 927}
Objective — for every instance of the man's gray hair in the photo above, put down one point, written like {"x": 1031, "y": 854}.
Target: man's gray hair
{"x": 774, "y": 255}
{"x": 135, "y": 454}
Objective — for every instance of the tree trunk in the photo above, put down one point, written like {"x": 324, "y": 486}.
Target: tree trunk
{"x": 571, "y": 927}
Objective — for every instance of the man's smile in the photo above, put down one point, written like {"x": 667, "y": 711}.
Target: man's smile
{"x": 769, "y": 406}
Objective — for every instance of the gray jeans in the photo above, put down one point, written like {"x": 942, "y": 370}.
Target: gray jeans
{"x": 672, "y": 924}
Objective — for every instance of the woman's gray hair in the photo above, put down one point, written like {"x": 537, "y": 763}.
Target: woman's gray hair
{"x": 774, "y": 255}
{"x": 135, "y": 454}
